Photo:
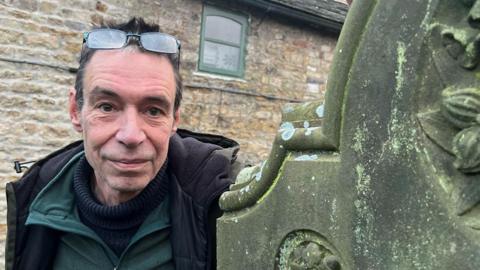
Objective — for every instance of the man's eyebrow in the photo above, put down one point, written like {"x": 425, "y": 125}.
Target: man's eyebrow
{"x": 160, "y": 100}
{"x": 99, "y": 92}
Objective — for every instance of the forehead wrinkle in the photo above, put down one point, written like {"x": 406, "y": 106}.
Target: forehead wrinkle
{"x": 157, "y": 79}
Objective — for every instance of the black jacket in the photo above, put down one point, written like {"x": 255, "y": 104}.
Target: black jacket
{"x": 201, "y": 167}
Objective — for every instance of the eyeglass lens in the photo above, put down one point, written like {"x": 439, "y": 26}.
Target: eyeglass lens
{"x": 106, "y": 39}
{"x": 159, "y": 42}
{"x": 115, "y": 39}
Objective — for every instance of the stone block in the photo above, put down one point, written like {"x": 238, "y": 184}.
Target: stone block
{"x": 101, "y": 7}
{"x": 263, "y": 115}
{"x": 20, "y": 86}
{"x": 41, "y": 40}
{"x": 325, "y": 48}
{"x": 17, "y": 13}
{"x": 386, "y": 173}
{"x": 328, "y": 57}
{"x": 30, "y": 5}
{"x": 47, "y": 7}
{"x": 10, "y": 36}
{"x": 76, "y": 25}
{"x": 14, "y": 23}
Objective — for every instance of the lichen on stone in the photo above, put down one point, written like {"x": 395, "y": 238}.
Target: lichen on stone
{"x": 287, "y": 130}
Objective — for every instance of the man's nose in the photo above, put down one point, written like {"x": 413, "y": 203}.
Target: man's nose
{"x": 130, "y": 132}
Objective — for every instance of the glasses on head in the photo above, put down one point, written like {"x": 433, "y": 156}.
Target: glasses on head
{"x": 104, "y": 39}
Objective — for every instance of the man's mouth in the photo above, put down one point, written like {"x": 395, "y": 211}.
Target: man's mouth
{"x": 129, "y": 164}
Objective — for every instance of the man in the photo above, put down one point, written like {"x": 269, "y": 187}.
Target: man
{"x": 136, "y": 193}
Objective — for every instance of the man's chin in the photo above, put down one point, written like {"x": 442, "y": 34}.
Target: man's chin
{"x": 129, "y": 184}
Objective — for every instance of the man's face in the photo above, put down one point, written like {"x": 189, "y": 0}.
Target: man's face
{"x": 127, "y": 118}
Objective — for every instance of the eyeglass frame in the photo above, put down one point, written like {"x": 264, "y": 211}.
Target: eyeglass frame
{"x": 137, "y": 37}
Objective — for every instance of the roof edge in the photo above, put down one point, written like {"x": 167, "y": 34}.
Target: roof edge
{"x": 297, "y": 14}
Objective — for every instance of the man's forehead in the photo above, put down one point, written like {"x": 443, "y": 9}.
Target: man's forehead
{"x": 132, "y": 71}
{"x": 129, "y": 55}
{"x": 129, "y": 64}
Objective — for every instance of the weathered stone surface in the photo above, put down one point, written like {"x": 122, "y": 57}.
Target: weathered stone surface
{"x": 385, "y": 175}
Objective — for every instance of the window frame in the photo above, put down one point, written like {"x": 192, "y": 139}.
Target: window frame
{"x": 241, "y": 19}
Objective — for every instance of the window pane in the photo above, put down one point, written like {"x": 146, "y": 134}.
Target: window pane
{"x": 221, "y": 56}
{"x": 223, "y": 29}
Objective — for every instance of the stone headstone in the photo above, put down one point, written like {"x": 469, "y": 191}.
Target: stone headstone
{"x": 386, "y": 175}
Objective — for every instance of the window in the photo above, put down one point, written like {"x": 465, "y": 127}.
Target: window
{"x": 222, "y": 42}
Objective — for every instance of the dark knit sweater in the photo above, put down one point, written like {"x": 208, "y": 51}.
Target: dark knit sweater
{"x": 116, "y": 225}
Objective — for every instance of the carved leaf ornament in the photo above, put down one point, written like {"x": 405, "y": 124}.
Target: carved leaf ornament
{"x": 461, "y": 107}
{"x": 454, "y": 125}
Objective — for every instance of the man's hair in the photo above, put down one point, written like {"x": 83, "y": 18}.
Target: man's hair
{"x": 135, "y": 26}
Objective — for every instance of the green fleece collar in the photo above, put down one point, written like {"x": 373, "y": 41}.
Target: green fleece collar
{"x": 56, "y": 202}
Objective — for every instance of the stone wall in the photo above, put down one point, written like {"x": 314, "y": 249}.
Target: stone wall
{"x": 41, "y": 40}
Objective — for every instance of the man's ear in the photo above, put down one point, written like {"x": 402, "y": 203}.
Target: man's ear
{"x": 74, "y": 110}
{"x": 176, "y": 121}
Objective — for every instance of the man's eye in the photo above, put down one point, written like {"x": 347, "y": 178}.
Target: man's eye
{"x": 154, "y": 111}
{"x": 105, "y": 107}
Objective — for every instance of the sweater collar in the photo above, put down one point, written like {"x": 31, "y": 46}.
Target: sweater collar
{"x": 124, "y": 215}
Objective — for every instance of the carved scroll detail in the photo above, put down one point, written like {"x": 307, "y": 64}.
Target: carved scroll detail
{"x": 300, "y": 130}
{"x": 306, "y": 250}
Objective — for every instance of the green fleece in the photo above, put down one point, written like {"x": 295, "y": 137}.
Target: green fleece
{"x": 81, "y": 248}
